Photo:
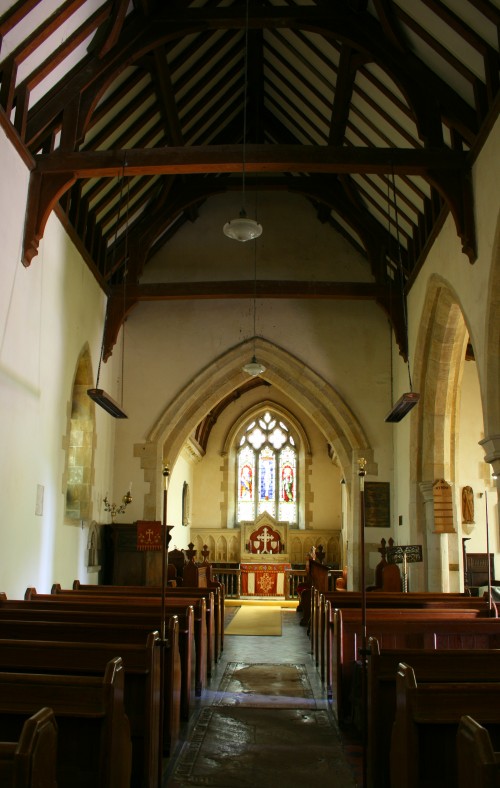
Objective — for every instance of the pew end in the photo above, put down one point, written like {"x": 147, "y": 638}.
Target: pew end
{"x": 31, "y": 762}
{"x": 478, "y": 763}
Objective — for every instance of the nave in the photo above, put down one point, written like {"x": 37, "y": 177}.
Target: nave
{"x": 214, "y": 752}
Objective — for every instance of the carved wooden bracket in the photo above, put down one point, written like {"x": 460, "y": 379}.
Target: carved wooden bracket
{"x": 117, "y": 310}
{"x": 44, "y": 191}
{"x": 455, "y": 186}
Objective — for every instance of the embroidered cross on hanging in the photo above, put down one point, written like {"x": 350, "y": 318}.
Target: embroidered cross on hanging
{"x": 149, "y": 535}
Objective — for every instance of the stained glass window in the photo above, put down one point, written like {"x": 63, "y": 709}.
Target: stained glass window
{"x": 246, "y": 475}
{"x": 267, "y": 470}
{"x": 287, "y": 505}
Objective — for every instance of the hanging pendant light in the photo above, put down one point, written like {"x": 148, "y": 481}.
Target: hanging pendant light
{"x": 242, "y": 228}
{"x": 254, "y": 367}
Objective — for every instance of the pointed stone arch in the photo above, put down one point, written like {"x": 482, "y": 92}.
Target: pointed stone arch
{"x": 439, "y": 364}
{"x": 289, "y": 374}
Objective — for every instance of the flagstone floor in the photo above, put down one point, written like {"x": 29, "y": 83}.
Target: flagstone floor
{"x": 327, "y": 760}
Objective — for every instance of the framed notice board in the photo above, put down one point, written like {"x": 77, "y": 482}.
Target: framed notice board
{"x": 377, "y": 505}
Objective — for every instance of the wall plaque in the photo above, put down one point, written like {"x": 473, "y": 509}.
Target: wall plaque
{"x": 443, "y": 507}
{"x": 377, "y": 505}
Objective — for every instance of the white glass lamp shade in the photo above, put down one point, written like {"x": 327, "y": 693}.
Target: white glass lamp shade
{"x": 254, "y": 368}
{"x": 242, "y": 228}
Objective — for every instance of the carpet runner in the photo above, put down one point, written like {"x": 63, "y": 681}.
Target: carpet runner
{"x": 266, "y": 685}
{"x": 235, "y": 745}
{"x": 255, "y": 620}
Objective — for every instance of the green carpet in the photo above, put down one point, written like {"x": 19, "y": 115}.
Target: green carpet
{"x": 255, "y": 620}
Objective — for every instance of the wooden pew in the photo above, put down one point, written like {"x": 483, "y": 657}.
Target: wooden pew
{"x": 323, "y": 612}
{"x": 213, "y": 586}
{"x": 142, "y": 684}
{"x": 19, "y": 618}
{"x": 391, "y": 601}
{"x": 94, "y": 747}
{"x": 214, "y": 598}
{"x": 143, "y": 607}
{"x": 416, "y": 629}
{"x": 317, "y": 578}
{"x": 423, "y": 744}
{"x": 478, "y": 763}
{"x": 30, "y": 762}
{"x": 113, "y": 629}
{"x": 379, "y": 599}
{"x": 457, "y": 665}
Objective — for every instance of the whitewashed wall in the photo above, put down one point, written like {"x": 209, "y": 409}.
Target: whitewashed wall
{"x": 47, "y": 313}
{"x": 347, "y": 343}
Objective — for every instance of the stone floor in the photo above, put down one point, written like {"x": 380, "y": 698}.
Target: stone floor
{"x": 270, "y": 751}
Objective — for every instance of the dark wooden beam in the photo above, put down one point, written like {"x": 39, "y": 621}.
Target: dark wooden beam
{"x": 108, "y": 35}
{"x": 259, "y": 158}
{"x": 54, "y": 173}
{"x": 348, "y": 65}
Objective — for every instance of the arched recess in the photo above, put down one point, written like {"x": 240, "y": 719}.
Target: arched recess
{"x": 221, "y": 549}
{"x": 317, "y": 398}
{"x": 439, "y": 364}
{"x": 79, "y": 444}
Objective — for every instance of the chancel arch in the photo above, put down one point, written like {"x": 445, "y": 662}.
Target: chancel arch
{"x": 312, "y": 393}
{"x": 302, "y": 385}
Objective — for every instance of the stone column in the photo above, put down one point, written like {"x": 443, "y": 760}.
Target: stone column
{"x": 436, "y": 553}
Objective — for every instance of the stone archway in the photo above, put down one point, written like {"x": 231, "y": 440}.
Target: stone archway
{"x": 312, "y": 393}
{"x": 439, "y": 365}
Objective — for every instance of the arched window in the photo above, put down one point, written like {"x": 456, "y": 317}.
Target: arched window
{"x": 267, "y": 470}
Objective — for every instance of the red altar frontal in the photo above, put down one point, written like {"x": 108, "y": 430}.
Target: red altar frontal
{"x": 263, "y": 579}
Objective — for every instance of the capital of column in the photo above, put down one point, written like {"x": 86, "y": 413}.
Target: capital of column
{"x": 491, "y": 447}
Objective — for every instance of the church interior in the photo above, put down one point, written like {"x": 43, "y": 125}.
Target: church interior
{"x": 250, "y": 302}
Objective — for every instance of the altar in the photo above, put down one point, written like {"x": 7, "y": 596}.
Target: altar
{"x": 263, "y": 579}
{"x": 264, "y": 557}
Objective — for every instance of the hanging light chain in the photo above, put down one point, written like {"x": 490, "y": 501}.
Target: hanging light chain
{"x": 400, "y": 265}
{"x": 245, "y": 95}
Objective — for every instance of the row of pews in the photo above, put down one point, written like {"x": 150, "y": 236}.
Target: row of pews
{"x": 417, "y": 677}
{"x": 115, "y": 670}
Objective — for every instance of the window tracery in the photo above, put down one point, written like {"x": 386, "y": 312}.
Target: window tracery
{"x": 267, "y": 470}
